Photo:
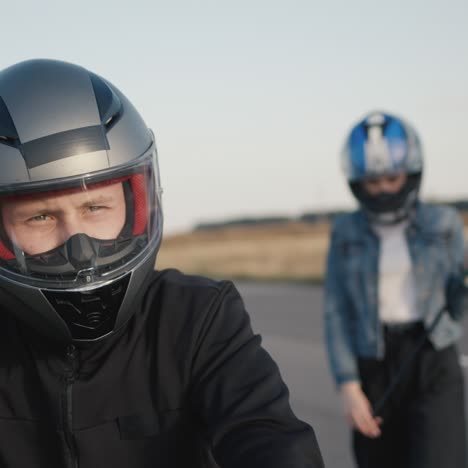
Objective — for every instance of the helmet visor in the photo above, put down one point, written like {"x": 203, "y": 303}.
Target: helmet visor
{"x": 81, "y": 231}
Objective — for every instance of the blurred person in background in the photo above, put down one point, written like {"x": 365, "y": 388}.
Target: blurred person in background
{"x": 393, "y": 266}
{"x": 104, "y": 361}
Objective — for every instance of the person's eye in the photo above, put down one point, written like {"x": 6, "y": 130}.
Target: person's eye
{"x": 39, "y": 218}
{"x": 96, "y": 208}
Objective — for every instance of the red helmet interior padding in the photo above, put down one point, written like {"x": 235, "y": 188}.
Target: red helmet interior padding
{"x": 140, "y": 204}
{"x": 5, "y": 253}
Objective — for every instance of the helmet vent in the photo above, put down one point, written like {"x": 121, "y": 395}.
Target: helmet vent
{"x": 5, "y": 140}
{"x": 95, "y": 319}
{"x": 108, "y": 102}
{"x": 109, "y": 123}
{"x": 89, "y": 315}
{"x": 8, "y": 134}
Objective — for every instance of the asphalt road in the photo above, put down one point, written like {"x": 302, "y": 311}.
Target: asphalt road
{"x": 289, "y": 318}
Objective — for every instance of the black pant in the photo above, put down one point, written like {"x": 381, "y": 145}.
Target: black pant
{"x": 424, "y": 419}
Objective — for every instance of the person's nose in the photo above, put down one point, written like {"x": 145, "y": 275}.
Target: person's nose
{"x": 384, "y": 187}
{"x": 70, "y": 226}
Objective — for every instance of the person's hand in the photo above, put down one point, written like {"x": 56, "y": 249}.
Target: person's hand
{"x": 358, "y": 410}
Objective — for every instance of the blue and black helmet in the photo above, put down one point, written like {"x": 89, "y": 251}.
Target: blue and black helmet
{"x": 382, "y": 144}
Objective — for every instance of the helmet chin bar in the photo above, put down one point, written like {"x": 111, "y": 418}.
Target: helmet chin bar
{"x": 90, "y": 315}
{"x": 393, "y": 217}
{"x": 389, "y": 208}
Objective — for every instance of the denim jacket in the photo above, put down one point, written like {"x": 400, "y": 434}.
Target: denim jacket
{"x": 352, "y": 325}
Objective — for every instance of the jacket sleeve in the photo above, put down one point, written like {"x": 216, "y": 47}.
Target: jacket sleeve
{"x": 240, "y": 397}
{"x": 338, "y": 341}
{"x": 456, "y": 290}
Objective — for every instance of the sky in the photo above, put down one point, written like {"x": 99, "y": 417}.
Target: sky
{"x": 251, "y": 100}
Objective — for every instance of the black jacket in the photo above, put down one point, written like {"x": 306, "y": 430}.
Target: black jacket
{"x": 184, "y": 383}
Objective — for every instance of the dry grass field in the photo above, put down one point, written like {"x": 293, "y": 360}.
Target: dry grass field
{"x": 289, "y": 251}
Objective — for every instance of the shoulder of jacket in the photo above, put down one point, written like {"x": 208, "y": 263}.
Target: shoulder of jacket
{"x": 172, "y": 277}
{"x": 180, "y": 307}
{"x": 347, "y": 224}
{"x": 438, "y": 216}
{"x": 182, "y": 292}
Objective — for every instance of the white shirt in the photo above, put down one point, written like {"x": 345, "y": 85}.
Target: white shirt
{"x": 396, "y": 287}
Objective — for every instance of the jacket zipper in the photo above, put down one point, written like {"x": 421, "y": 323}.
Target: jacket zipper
{"x": 67, "y": 408}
